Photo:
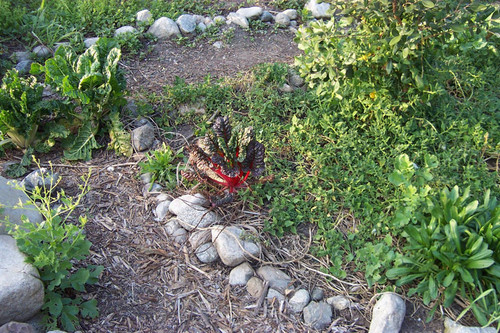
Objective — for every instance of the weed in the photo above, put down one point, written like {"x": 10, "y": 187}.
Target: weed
{"x": 160, "y": 164}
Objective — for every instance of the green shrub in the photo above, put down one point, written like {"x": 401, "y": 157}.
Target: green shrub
{"x": 54, "y": 247}
{"x": 161, "y": 165}
{"x": 94, "y": 82}
{"x": 453, "y": 245}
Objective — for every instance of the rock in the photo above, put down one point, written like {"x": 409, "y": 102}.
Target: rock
{"x": 146, "y": 178}
{"x": 219, "y": 19}
{"x": 277, "y": 279}
{"x": 163, "y": 197}
{"x": 24, "y": 67}
{"x": 452, "y": 327}
{"x": 187, "y": 24}
{"x": 206, "y": 253}
{"x": 199, "y": 18}
{"x": 388, "y": 314}
{"x": 317, "y": 294}
{"x": 42, "y": 178}
{"x": 143, "y": 137}
{"x": 162, "y": 210}
{"x": 291, "y": 13}
{"x": 187, "y": 201}
{"x": 201, "y": 27}
{"x": 240, "y": 275}
{"x": 295, "y": 79}
{"x": 193, "y": 216}
{"x": 250, "y": 13}
{"x": 155, "y": 188}
{"x": 285, "y": 88}
{"x": 144, "y": 16}
{"x": 299, "y": 300}
{"x": 124, "y": 30}
{"x": 42, "y": 51}
{"x": 238, "y": 19}
{"x": 318, "y": 315}
{"x": 21, "y": 290}
{"x": 318, "y": 10}
{"x": 282, "y": 20}
{"x": 196, "y": 108}
{"x": 339, "y": 302}
{"x": 232, "y": 246}
{"x": 171, "y": 226}
{"x": 88, "y": 42}
{"x": 164, "y": 28}
{"x": 9, "y": 198}
{"x": 218, "y": 44}
{"x": 266, "y": 16}
{"x": 293, "y": 24}
{"x": 180, "y": 236}
{"x": 199, "y": 237}
{"x": 274, "y": 294}
{"x": 15, "y": 327}
{"x": 22, "y": 56}
{"x": 255, "y": 287}
{"x": 208, "y": 21}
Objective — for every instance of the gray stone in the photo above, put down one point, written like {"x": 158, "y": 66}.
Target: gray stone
{"x": 293, "y": 24}
{"x": 196, "y": 108}
{"x": 238, "y": 19}
{"x": 42, "y": 178}
{"x": 171, "y": 226}
{"x": 163, "y": 197}
{"x": 233, "y": 245}
{"x": 286, "y": 88}
{"x": 199, "y": 237}
{"x": 208, "y": 22}
{"x": 180, "y": 236}
{"x": 295, "y": 79}
{"x": 15, "y": 327}
{"x": 250, "y": 13}
{"x": 9, "y": 202}
{"x": 318, "y": 10}
{"x": 124, "y": 30}
{"x": 206, "y": 253}
{"x": 266, "y": 17}
{"x": 291, "y": 13}
{"x": 24, "y": 66}
{"x": 146, "y": 178}
{"x": 201, "y": 26}
{"x": 143, "y": 137}
{"x": 388, "y": 314}
{"x": 197, "y": 218}
{"x": 218, "y": 44}
{"x": 144, "y": 16}
{"x": 317, "y": 294}
{"x": 219, "y": 19}
{"x": 452, "y": 327}
{"x": 88, "y": 42}
{"x": 42, "y": 51}
{"x": 255, "y": 287}
{"x": 164, "y": 28}
{"x": 277, "y": 279}
{"x": 282, "y": 20}
{"x": 274, "y": 294}
{"x": 22, "y": 56}
{"x": 318, "y": 315}
{"x": 187, "y": 24}
{"x": 240, "y": 275}
{"x": 21, "y": 290}
{"x": 339, "y": 302}
{"x": 186, "y": 202}
{"x": 299, "y": 300}
{"x": 162, "y": 210}
{"x": 155, "y": 188}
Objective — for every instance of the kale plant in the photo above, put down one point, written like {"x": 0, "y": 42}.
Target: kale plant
{"x": 227, "y": 157}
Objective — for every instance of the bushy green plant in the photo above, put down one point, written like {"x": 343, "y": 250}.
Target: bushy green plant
{"x": 22, "y": 108}
{"x": 160, "y": 164}
{"x": 54, "y": 247}
{"x": 453, "y": 245}
{"x": 94, "y": 82}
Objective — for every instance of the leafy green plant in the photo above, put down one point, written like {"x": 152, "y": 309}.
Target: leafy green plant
{"x": 22, "y": 108}
{"x": 160, "y": 164}
{"x": 95, "y": 83}
{"x": 452, "y": 247}
{"x": 54, "y": 247}
{"x": 226, "y": 157}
